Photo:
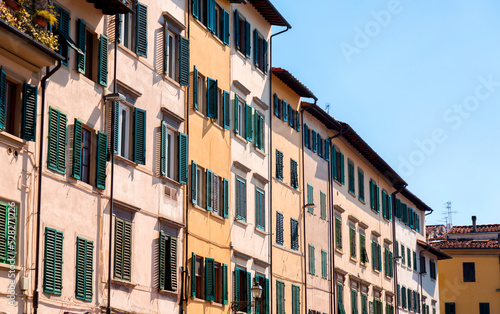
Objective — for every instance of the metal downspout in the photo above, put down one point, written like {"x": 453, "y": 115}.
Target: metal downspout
{"x": 304, "y": 215}
{"x": 394, "y": 248}
{"x": 39, "y": 197}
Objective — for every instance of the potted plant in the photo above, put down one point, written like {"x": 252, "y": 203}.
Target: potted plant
{"x": 42, "y": 17}
{"x": 13, "y": 4}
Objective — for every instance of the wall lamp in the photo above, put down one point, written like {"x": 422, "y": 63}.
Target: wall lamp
{"x": 242, "y": 305}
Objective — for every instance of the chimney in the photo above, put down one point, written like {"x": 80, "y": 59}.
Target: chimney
{"x": 498, "y": 238}
{"x": 474, "y": 229}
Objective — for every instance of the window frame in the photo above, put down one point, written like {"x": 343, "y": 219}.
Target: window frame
{"x": 241, "y": 199}
{"x": 260, "y": 211}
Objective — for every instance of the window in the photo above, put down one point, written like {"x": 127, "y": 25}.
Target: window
{"x": 123, "y": 249}
{"x": 314, "y": 138}
{"x": 263, "y": 302}
{"x": 294, "y": 231}
{"x": 340, "y": 298}
{"x": 307, "y": 137}
{"x": 167, "y": 260}
{"x": 376, "y": 256}
{"x": 322, "y": 201}
{"x": 222, "y": 24}
{"x": 364, "y": 304}
{"x": 62, "y": 25}
{"x": 168, "y": 151}
{"x": 171, "y": 43}
{"x": 279, "y": 228}
{"x": 284, "y": 110}
{"x": 362, "y": 248}
{"x": 243, "y": 118}
{"x": 260, "y": 209}
{"x": 388, "y": 265}
{"x": 469, "y": 272}
{"x": 260, "y": 53}
{"x": 56, "y": 159}
{"x": 134, "y": 30}
{"x": 374, "y": 196}
{"x": 386, "y": 205}
{"x": 199, "y": 92}
{"x": 53, "y": 261}
{"x": 414, "y": 261}
{"x": 8, "y": 232}
{"x": 242, "y": 34}
{"x": 324, "y": 264}
{"x": 319, "y": 144}
{"x": 280, "y": 297}
{"x": 310, "y": 198}
{"x": 449, "y": 308}
{"x": 312, "y": 269}
{"x": 92, "y": 65}
{"x": 241, "y": 199}
{"x": 408, "y": 257}
{"x": 338, "y": 233}
{"x": 276, "y": 106}
{"x": 279, "y": 165}
{"x": 216, "y": 194}
{"x": 338, "y": 165}
{"x": 86, "y": 140}
{"x": 484, "y": 308}
{"x": 361, "y": 185}
{"x": 409, "y": 299}
{"x": 131, "y": 136}
{"x": 290, "y": 116}
{"x": 242, "y": 288}
{"x": 351, "y": 177}
{"x": 196, "y": 276}
{"x": 352, "y": 241}
{"x": 259, "y": 130}
{"x": 294, "y": 178}
{"x": 354, "y": 301}
{"x": 84, "y": 269}
{"x": 295, "y": 299}
{"x": 422, "y": 264}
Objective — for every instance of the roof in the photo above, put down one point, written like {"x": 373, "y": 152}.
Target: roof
{"x": 292, "y": 82}
{"x": 269, "y": 12}
{"x": 415, "y": 200}
{"x": 466, "y": 244}
{"x": 479, "y": 228}
{"x": 433, "y": 250}
{"x": 435, "y": 232}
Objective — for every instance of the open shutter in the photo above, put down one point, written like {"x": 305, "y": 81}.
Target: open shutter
{"x": 77, "y": 150}
{"x": 256, "y": 48}
{"x": 290, "y": 115}
{"x": 116, "y": 108}
{"x": 384, "y": 204}
{"x": 297, "y": 121}
{"x": 284, "y": 111}
{"x": 163, "y": 149}
{"x": 209, "y": 279}
{"x": 306, "y": 135}
{"x": 81, "y": 43}
{"x": 389, "y": 207}
{"x": 102, "y": 144}
{"x": 225, "y": 31}
{"x": 391, "y": 265}
{"x": 195, "y": 88}
{"x": 183, "y": 61}
{"x": 377, "y": 198}
{"x": 141, "y": 42}
{"x": 161, "y": 261}
{"x": 327, "y": 150}
{"x": 237, "y": 285}
{"x": 226, "y": 198}
{"x": 374, "y": 255}
{"x": 63, "y": 27}
{"x": 236, "y": 124}
{"x": 276, "y": 105}
{"x": 194, "y": 182}
{"x": 227, "y": 110}
{"x": 237, "y": 29}
{"x": 3, "y": 98}
{"x": 183, "y": 158}
{"x": 29, "y": 112}
{"x": 249, "y": 291}
{"x": 195, "y": 8}
{"x": 266, "y": 57}
{"x": 172, "y": 284}
{"x": 212, "y": 98}
{"x": 334, "y": 160}
{"x": 247, "y": 39}
{"x": 140, "y": 136}
{"x": 342, "y": 169}
{"x": 379, "y": 251}
{"x": 248, "y": 123}
{"x": 193, "y": 275}
{"x": 225, "y": 294}
{"x": 209, "y": 191}
{"x": 103, "y": 61}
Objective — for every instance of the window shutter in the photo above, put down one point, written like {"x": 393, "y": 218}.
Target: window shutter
{"x": 290, "y": 115}
{"x": 379, "y": 257}
{"x": 183, "y": 61}
{"x": 183, "y": 157}
{"x": 297, "y": 121}
{"x": 227, "y": 110}
{"x": 3, "y": 98}
{"x": 195, "y": 88}
{"x": 276, "y": 105}
{"x": 77, "y": 150}
{"x": 248, "y": 123}
{"x": 374, "y": 254}
{"x": 389, "y": 207}
{"x": 172, "y": 283}
{"x": 237, "y": 29}
{"x": 237, "y": 284}
{"x": 225, "y": 30}
{"x": 102, "y": 144}
{"x": 84, "y": 269}
{"x": 334, "y": 160}
{"x": 284, "y": 111}
{"x": 140, "y": 136}
{"x": 162, "y": 261}
{"x": 123, "y": 249}
{"x": 384, "y": 205}
{"x": 195, "y": 8}
{"x": 141, "y": 38}
{"x": 103, "y": 61}
{"x": 327, "y": 150}
{"x": 194, "y": 182}
{"x": 81, "y": 43}
{"x": 256, "y": 47}
{"x": 342, "y": 171}
{"x": 377, "y": 200}
{"x": 193, "y": 275}
{"x": 361, "y": 185}
{"x": 256, "y": 128}
{"x": 63, "y": 27}
{"x": 29, "y": 112}
{"x": 236, "y": 104}
{"x": 226, "y": 198}
{"x": 53, "y": 254}
{"x": 266, "y": 57}
{"x": 163, "y": 148}
{"x": 211, "y": 98}
{"x": 57, "y": 141}
{"x": 224, "y": 285}
{"x": 249, "y": 292}
{"x": 306, "y": 135}
{"x": 209, "y": 190}
{"x": 209, "y": 279}
{"x": 116, "y": 108}
{"x": 247, "y": 39}
{"x": 391, "y": 265}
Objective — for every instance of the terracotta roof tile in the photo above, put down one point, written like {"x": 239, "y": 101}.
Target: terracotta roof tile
{"x": 466, "y": 244}
{"x": 480, "y": 228}
{"x": 435, "y": 232}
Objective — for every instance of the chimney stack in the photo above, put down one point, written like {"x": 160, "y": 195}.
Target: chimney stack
{"x": 498, "y": 238}
{"x": 474, "y": 229}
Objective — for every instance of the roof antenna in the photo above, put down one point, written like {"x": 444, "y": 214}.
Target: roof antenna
{"x": 327, "y": 107}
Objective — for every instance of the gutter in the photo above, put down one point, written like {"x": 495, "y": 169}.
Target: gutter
{"x": 39, "y": 198}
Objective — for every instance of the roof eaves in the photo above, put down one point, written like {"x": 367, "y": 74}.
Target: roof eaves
{"x": 292, "y": 82}
{"x": 270, "y": 13}
{"x": 437, "y": 252}
{"x": 415, "y": 200}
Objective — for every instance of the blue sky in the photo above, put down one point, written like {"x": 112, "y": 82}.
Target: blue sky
{"x": 418, "y": 80}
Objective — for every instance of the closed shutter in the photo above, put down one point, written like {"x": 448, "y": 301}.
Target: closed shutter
{"x": 227, "y": 110}
{"x": 225, "y": 31}
{"x": 225, "y": 288}
{"x": 334, "y": 161}
{"x": 237, "y": 285}
{"x": 140, "y": 136}
{"x": 322, "y": 197}
{"x": 372, "y": 195}
{"x": 8, "y": 227}
{"x": 249, "y": 292}
{"x": 361, "y": 185}
{"x": 77, "y": 150}
{"x": 84, "y": 269}
{"x": 194, "y": 182}
{"x": 3, "y": 98}
{"x": 279, "y": 228}
{"x": 248, "y": 123}
{"x": 391, "y": 265}
{"x": 53, "y": 254}
{"x": 351, "y": 176}
{"x": 226, "y": 198}
{"x": 379, "y": 250}
{"x": 163, "y": 149}
{"x": 236, "y": 115}
{"x": 116, "y": 108}
{"x": 56, "y": 159}
{"x": 284, "y": 113}
{"x": 209, "y": 279}
{"x": 267, "y": 295}
{"x": 195, "y": 88}
{"x": 384, "y": 204}
{"x": 183, "y": 61}
{"x": 29, "y": 112}
{"x": 211, "y": 98}
{"x": 324, "y": 264}
{"x": 352, "y": 242}
{"x": 81, "y": 43}
{"x": 193, "y": 275}
{"x": 183, "y": 158}
{"x": 377, "y": 200}
{"x": 327, "y": 150}
{"x": 102, "y": 144}
{"x": 374, "y": 254}
{"x": 389, "y": 207}
{"x": 306, "y": 136}
{"x": 398, "y": 208}
{"x": 266, "y": 56}
{"x": 123, "y": 249}
{"x": 290, "y": 116}
{"x": 172, "y": 264}
{"x": 247, "y": 39}
{"x": 103, "y": 61}
{"x": 314, "y": 137}
{"x": 209, "y": 189}
{"x": 141, "y": 46}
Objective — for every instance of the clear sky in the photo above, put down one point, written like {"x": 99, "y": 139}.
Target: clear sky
{"x": 418, "y": 80}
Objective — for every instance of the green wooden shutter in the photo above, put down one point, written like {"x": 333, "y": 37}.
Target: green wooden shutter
{"x": 384, "y": 204}
{"x": 140, "y": 136}
{"x": 256, "y": 48}
{"x": 102, "y": 70}
{"x": 84, "y": 269}
{"x": 116, "y": 108}
{"x": 391, "y": 265}
{"x": 276, "y": 105}
{"x": 352, "y": 242}
{"x": 3, "y": 98}
{"x": 284, "y": 113}
{"x": 377, "y": 198}
{"x": 123, "y": 249}
{"x": 212, "y": 98}
{"x": 141, "y": 43}
{"x": 161, "y": 261}
{"x": 209, "y": 190}
{"x": 372, "y": 195}
{"x": 28, "y": 131}
{"x": 290, "y": 115}
{"x": 194, "y": 182}
{"x": 209, "y": 279}
{"x": 163, "y": 149}
{"x": 379, "y": 262}
{"x": 77, "y": 150}
{"x": 237, "y": 29}
{"x": 225, "y": 32}
{"x": 172, "y": 267}
{"x": 256, "y": 128}
{"x": 226, "y": 198}
{"x": 227, "y": 110}
{"x": 266, "y": 57}
{"x": 56, "y": 159}
{"x": 297, "y": 121}
{"x": 225, "y": 287}
{"x": 195, "y": 8}
{"x": 361, "y": 185}
{"x": 102, "y": 144}
{"x": 237, "y": 284}
{"x": 314, "y": 137}
{"x": 183, "y": 158}
{"x": 4, "y": 213}
{"x": 248, "y": 123}
{"x": 334, "y": 160}
{"x": 63, "y": 27}
{"x": 193, "y": 275}
{"x": 195, "y": 88}
{"x": 53, "y": 254}
{"x": 374, "y": 254}
{"x": 81, "y": 43}
{"x": 249, "y": 291}
{"x": 342, "y": 171}
{"x": 389, "y": 207}
{"x": 183, "y": 61}
{"x": 247, "y": 39}
{"x": 236, "y": 115}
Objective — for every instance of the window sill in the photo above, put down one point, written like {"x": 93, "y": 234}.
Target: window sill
{"x": 282, "y": 247}
{"x": 260, "y": 152}
{"x": 286, "y": 185}
{"x": 123, "y": 283}
{"x": 338, "y": 182}
{"x": 87, "y": 80}
{"x": 197, "y": 299}
{"x": 241, "y": 138}
{"x": 238, "y": 52}
{"x": 125, "y": 160}
{"x": 168, "y": 292}
{"x": 363, "y": 265}
{"x": 217, "y": 304}
{"x": 217, "y": 125}
{"x": 172, "y": 181}
{"x": 217, "y": 216}
{"x": 352, "y": 259}
{"x": 241, "y": 222}
{"x": 198, "y": 207}
{"x": 352, "y": 194}
{"x": 261, "y": 72}
{"x": 171, "y": 81}
{"x": 10, "y": 267}
{"x": 258, "y": 230}
{"x": 339, "y": 251}
{"x": 12, "y": 139}
{"x": 198, "y": 112}
{"x": 128, "y": 51}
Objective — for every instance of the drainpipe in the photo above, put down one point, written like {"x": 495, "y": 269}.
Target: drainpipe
{"x": 304, "y": 214}
{"x": 420, "y": 274}
{"x": 394, "y": 248}
{"x": 39, "y": 198}
{"x": 270, "y": 215}
{"x": 330, "y": 231}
